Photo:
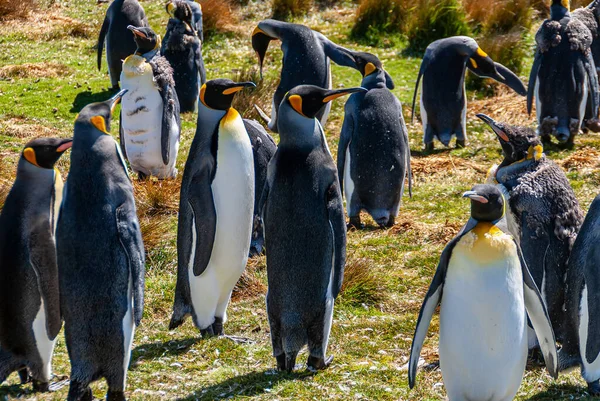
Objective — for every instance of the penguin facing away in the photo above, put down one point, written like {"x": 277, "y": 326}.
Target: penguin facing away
{"x": 119, "y": 43}
{"x": 306, "y": 61}
{"x": 100, "y": 258}
{"x": 483, "y": 283}
{"x": 546, "y": 212}
{"x": 373, "y": 152}
{"x": 29, "y": 296}
{"x": 563, "y": 77}
{"x": 215, "y": 211}
{"x": 150, "y": 120}
{"x": 443, "y": 96}
{"x": 305, "y": 230}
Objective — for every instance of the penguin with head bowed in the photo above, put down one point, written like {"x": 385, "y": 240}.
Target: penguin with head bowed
{"x": 373, "y": 152}
{"x": 150, "y": 121}
{"x": 29, "y": 296}
{"x": 443, "y": 96}
{"x": 100, "y": 258}
{"x": 563, "y": 79}
{"x": 182, "y": 47}
{"x": 119, "y": 43}
{"x": 305, "y": 230}
{"x": 483, "y": 283}
{"x": 215, "y": 210}
{"x": 306, "y": 61}
{"x": 546, "y": 212}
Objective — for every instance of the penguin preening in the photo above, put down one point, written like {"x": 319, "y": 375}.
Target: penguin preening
{"x": 546, "y": 212}
{"x": 306, "y": 61}
{"x": 215, "y": 211}
{"x": 443, "y": 96}
{"x": 305, "y": 230}
{"x": 100, "y": 257}
{"x": 563, "y": 77}
{"x": 150, "y": 120}
{"x": 119, "y": 43}
{"x": 373, "y": 152}
{"x": 486, "y": 293}
{"x": 29, "y": 295}
{"x": 182, "y": 47}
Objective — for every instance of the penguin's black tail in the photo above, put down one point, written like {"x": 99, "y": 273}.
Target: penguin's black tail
{"x": 101, "y": 38}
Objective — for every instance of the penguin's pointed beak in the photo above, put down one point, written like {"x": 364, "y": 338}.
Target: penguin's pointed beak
{"x": 260, "y": 44}
{"x": 238, "y": 87}
{"x": 473, "y": 195}
{"x": 113, "y": 101}
{"x": 330, "y": 95}
{"x": 496, "y": 127}
{"x": 66, "y": 144}
{"x": 137, "y": 31}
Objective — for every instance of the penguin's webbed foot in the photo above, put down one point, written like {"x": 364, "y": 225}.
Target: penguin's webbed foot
{"x": 315, "y": 363}
{"x": 460, "y": 143}
{"x": 429, "y": 147}
{"x": 24, "y": 376}
{"x": 217, "y": 326}
{"x": 207, "y": 332}
{"x": 592, "y": 124}
{"x": 41, "y": 387}
{"x": 142, "y": 176}
{"x": 280, "y": 362}
{"x": 115, "y": 396}
{"x": 355, "y": 223}
{"x": 290, "y": 362}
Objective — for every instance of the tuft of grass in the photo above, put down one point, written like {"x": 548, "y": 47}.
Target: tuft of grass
{"x": 34, "y": 70}
{"x": 262, "y": 95}
{"x": 154, "y": 231}
{"x": 378, "y": 18}
{"x": 12, "y": 9}
{"x": 156, "y": 197}
{"x": 361, "y": 286}
{"x": 286, "y": 9}
{"x": 218, "y": 16}
{"x": 250, "y": 285}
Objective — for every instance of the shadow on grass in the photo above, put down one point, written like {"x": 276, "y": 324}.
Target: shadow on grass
{"x": 248, "y": 385}
{"x": 562, "y": 392}
{"x": 15, "y": 391}
{"x": 84, "y": 98}
{"x": 160, "y": 349}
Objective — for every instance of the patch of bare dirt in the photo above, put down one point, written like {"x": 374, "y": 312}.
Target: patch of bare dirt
{"x": 34, "y": 70}
{"x": 440, "y": 233}
{"x": 18, "y": 128}
{"x": 442, "y": 164}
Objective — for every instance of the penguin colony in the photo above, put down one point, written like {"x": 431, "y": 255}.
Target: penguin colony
{"x": 520, "y": 274}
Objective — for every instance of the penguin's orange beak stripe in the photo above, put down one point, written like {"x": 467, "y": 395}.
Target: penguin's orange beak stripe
{"x": 233, "y": 90}
{"x": 64, "y": 147}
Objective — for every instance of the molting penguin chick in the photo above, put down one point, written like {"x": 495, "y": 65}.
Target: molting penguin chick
{"x": 373, "y": 152}
{"x": 305, "y": 230}
{"x": 215, "y": 210}
{"x": 29, "y": 295}
{"x": 547, "y": 213}
{"x": 443, "y": 96}
{"x": 150, "y": 121}
{"x": 483, "y": 284}
{"x": 100, "y": 258}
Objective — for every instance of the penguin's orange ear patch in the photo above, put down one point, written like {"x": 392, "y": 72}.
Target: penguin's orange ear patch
{"x": 29, "y": 155}
{"x": 296, "y": 102}
{"x": 202, "y": 93}
{"x": 370, "y": 68}
{"x": 99, "y": 123}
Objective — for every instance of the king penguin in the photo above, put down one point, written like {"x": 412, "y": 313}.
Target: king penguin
{"x": 29, "y": 295}
{"x": 150, "y": 120}
{"x": 100, "y": 258}
{"x": 215, "y": 211}
{"x": 306, "y": 61}
{"x": 119, "y": 43}
{"x": 443, "y": 96}
{"x": 486, "y": 294}
{"x": 373, "y": 152}
{"x": 305, "y": 230}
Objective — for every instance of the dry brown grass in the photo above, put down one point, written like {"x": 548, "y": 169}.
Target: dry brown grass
{"x": 286, "y": 9}
{"x": 262, "y": 95}
{"x": 506, "y": 106}
{"x": 11, "y": 9}
{"x": 48, "y": 26}
{"x": 20, "y": 129}
{"x": 439, "y": 234}
{"x": 361, "y": 286}
{"x": 155, "y": 231}
{"x": 218, "y": 16}
{"x": 34, "y": 70}
{"x": 6, "y": 179}
{"x": 250, "y": 284}
{"x": 156, "y": 197}
{"x": 583, "y": 158}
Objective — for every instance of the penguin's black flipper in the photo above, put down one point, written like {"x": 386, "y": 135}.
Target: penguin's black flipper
{"x": 122, "y": 137}
{"x": 101, "y": 37}
{"x": 200, "y": 199}
{"x": 422, "y": 69}
{"x": 43, "y": 259}
{"x": 337, "y": 220}
{"x": 592, "y": 75}
{"x": 538, "y": 315}
{"x": 535, "y": 69}
{"x": 345, "y": 138}
{"x": 200, "y": 64}
{"x": 130, "y": 237}
{"x": 407, "y": 155}
{"x": 170, "y": 111}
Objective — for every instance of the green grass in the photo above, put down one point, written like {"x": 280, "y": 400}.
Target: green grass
{"x": 372, "y": 329}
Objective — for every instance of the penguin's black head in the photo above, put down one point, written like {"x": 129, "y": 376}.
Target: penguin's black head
{"x": 517, "y": 143}
{"x": 308, "y": 100}
{"x": 182, "y": 11}
{"x": 45, "y": 152}
{"x": 367, "y": 63}
{"x": 559, "y": 9}
{"x": 218, "y": 94}
{"x": 260, "y": 44}
{"x": 145, "y": 39}
{"x": 99, "y": 115}
{"x": 487, "y": 202}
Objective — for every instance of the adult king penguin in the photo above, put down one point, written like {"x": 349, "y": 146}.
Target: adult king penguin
{"x": 373, "y": 152}
{"x": 150, "y": 121}
{"x": 29, "y": 296}
{"x": 119, "y": 43}
{"x": 305, "y": 230}
{"x": 215, "y": 210}
{"x": 545, "y": 210}
{"x": 486, "y": 293}
{"x": 306, "y": 61}
{"x": 100, "y": 258}
{"x": 443, "y": 96}
{"x": 563, "y": 77}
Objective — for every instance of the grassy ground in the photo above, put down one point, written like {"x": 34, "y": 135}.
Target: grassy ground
{"x": 48, "y": 73}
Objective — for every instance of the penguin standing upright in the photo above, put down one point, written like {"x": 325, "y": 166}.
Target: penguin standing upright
{"x": 373, "y": 152}
{"x": 546, "y": 211}
{"x": 150, "y": 121}
{"x": 100, "y": 257}
{"x": 563, "y": 76}
{"x": 183, "y": 50}
{"x": 305, "y": 230}
{"x": 443, "y": 96}
{"x": 486, "y": 293}
{"x": 119, "y": 43}
{"x": 215, "y": 211}
{"x": 306, "y": 60}
{"x": 29, "y": 296}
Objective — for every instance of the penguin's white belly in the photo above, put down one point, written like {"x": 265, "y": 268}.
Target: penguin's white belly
{"x": 128, "y": 330}
{"x": 483, "y": 337}
{"x": 589, "y": 371}
{"x": 45, "y": 345}
{"x": 348, "y": 183}
{"x": 233, "y": 194}
{"x": 538, "y": 102}
{"x": 584, "y": 100}
{"x": 423, "y": 115}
